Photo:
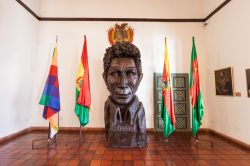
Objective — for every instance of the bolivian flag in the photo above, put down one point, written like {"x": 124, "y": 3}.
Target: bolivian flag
{"x": 83, "y": 100}
{"x": 51, "y": 97}
{"x": 167, "y": 110}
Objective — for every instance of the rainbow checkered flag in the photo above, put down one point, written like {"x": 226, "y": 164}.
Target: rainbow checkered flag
{"x": 51, "y": 97}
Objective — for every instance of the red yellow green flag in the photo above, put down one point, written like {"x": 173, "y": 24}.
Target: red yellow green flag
{"x": 167, "y": 110}
{"x": 83, "y": 100}
{"x": 195, "y": 92}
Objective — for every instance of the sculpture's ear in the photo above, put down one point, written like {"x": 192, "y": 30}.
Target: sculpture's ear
{"x": 139, "y": 80}
{"x": 140, "y": 77}
{"x": 105, "y": 79}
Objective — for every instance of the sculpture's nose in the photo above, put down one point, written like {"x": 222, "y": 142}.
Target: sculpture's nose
{"x": 124, "y": 81}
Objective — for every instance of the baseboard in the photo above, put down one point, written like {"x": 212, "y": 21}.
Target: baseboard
{"x": 68, "y": 129}
{"x": 62, "y": 129}
{"x": 10, "y": 137}
{"x": 14, "y": 135}
{"x": 231, "y": 140}
{"x": 76, "y": 129}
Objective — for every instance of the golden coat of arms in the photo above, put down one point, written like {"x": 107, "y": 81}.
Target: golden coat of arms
{"x": 120, "y": 33}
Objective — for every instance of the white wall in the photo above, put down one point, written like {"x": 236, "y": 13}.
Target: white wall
{"x": 228, "y": 40}
{"x": 121, "y": 8}
{"x": 30, "y": 56}
{"x": 149, "y": 37}
{"x": 18, "y": 31}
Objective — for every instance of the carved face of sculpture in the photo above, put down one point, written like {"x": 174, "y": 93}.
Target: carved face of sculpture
{"x": 122, "y": 80}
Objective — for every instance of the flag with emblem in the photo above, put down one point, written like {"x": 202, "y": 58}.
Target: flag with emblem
{"x": 83, "y": 100}
{"x": 195, "y": 92}
{"x": 51, "y": 97}
{"x": 167, "y": 110}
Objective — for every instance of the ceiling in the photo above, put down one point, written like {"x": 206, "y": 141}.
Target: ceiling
{"x": 158, "y": 9}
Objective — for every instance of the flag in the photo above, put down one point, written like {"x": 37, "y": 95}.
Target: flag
{"x": 167, "y": 110}
{"x": 51, "y": 97}
{"x": 195, "y": 92}
{"x": 83, "y": 100}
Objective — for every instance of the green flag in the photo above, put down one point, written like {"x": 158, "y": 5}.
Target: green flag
{"x": 195, "y": 92}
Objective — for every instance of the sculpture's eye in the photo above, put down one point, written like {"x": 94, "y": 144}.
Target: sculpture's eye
{"x": 131, "y": 73}
{"x": 115, "y": 74}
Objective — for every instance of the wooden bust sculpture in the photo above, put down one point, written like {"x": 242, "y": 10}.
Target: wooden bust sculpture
{"x": 125, "y": 121}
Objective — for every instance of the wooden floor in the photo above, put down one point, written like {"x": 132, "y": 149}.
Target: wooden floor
{"x": 179, "y": 151}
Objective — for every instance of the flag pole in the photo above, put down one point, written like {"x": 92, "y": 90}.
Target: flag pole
{"x": 194, "y": 82}
{"x": 197, "y": 138}
{"x": 49, "y": 132}
{"x": 58, "y": 111}
{"x": 80, "y": 132}
{"x": 82, "y": 103}
{"x": 166, "y": 139}
{"x": 50, "y": 141}
{"x": 82, "y": 136}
